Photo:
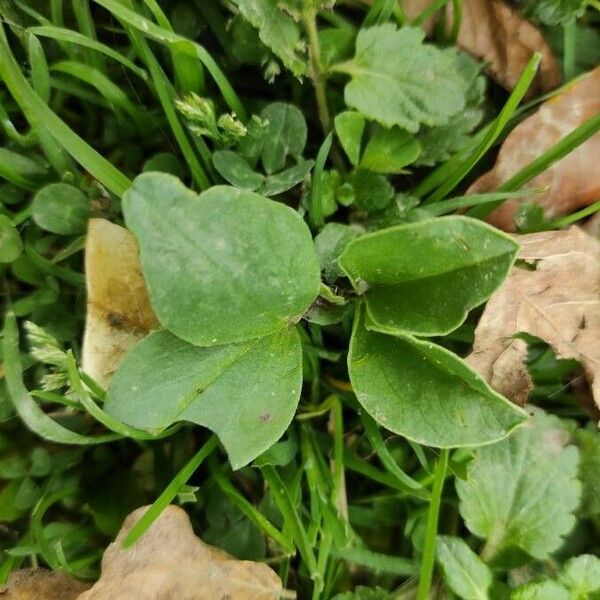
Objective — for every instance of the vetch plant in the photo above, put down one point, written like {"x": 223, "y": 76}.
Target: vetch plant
{"x": 231, "y": 273}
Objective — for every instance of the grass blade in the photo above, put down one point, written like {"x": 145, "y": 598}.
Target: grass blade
{"x": 376, "y": 440}
{"x": 492, "y": 133}
{"x": 433, "y": 515}
{"x": 41, "y": 117}
{"x": 559, "y": 150}
{"x": 169, "y": 493}
{"x": 249, "y": 510}
{"x": 284, "y": 502}
{"x": 189, "y": 74}
{"x": 166, "y": 96}
{"x": 74, "y": 37}
{"x": 181, "y": 44}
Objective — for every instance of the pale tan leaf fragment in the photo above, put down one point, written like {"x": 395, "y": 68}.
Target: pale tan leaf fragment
{"x": 558, "y": 302}
{"x": 40, "y": 584}
{"x": 169, "y": 562}
{"x": 571, "y": 183}
{"x": 494, "y": 32}
{"x": 118, "y": 308}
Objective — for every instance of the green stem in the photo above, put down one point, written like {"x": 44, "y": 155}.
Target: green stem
{"x": 339, "y": 498}
{"x": 433, "y": 515}
{"x": 316, "y": 68}
{"x": 318, "y": 78}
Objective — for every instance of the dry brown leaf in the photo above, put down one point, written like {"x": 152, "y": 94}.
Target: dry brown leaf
{"x": 118, "y": 308}
{"x": 40, "y": 584}
{"x": 169, "y": 562}
{"x": 497, "y": 34}
{"x": 558, "y": 302}
{"x": 569, "y": 184}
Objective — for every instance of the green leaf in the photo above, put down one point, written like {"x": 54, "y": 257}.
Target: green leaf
{"x": 20, "y": 170}
{"x": 285, "y": 136}
{"x": 465, "y": 573}
{"x": 277, "y": 30}
{"x": 424, "y": 392}
{"x": 214, "y": 275}
{"x": 541, "y": 590}
{"x": 246, "y": 393}
{"x": 336, "y": 44}
{"x": 286, "y": 179}
{"x": 581, "y": 575}
{"x": 372, "y": 191}
{"x": 522, "y": 492}
{"x": 349, "y": 127}
{"x": 236, "y": 170}
{"x": 390, "y": 150}
{"x": 61, "y": 208}
{"x": 554, "y": 12}
{"x": 441, "y": 142}
{"x": 11, "y": 245}
{"x": 330, "y": 243}
{"x": 424, "y": 277}
{"x": 398, "y": 80}
{"x": 165, "y": 162}
{"x": 246, "y": 46}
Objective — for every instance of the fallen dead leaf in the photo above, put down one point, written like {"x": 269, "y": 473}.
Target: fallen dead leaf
{"x": 169, "y": 562}
{"x": 118, "y": 308}
{"x": 497, "y": 34}
{"x": 572, "y": 182}
{"x": 558, "y": 302}
{"x": 40, "y": 584}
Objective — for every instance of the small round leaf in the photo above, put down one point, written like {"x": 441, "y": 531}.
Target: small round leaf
{"x": 11, "y": 245}
{"x": 61, "y": 208}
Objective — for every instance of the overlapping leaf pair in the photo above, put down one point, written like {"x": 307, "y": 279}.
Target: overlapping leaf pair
{"x": 231, "y": 273}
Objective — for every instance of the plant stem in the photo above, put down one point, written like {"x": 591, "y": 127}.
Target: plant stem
{"x": 309, "y": 17}
{"x": 339, "y": 497}
{"x": 433, "y": 514}
{"x": 316, "y": 68}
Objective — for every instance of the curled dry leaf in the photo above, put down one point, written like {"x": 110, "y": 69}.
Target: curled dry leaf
{"x": 497, "y": 34}
{"x": 40, "y": 584}
{"x": 118, "y": 308}
{"x": 557, "y": 300}
{"x": 569, "y": 184}
{"x": 171, "y": 563}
